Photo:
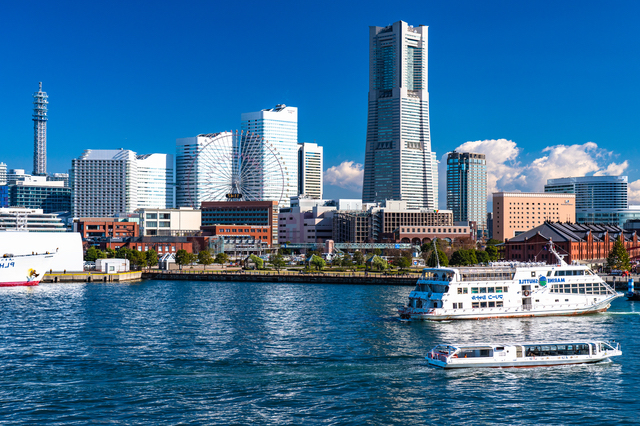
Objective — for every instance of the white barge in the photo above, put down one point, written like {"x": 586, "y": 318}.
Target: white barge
{"x": 507, "y": 290}
{"x": 534, "y": 354}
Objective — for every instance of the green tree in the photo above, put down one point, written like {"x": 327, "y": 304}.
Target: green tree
{"x": 346, "y": 261}
{"x": 111, "y": 253}
{"x": 493, "y": 242}
{"x": 91, "y": 255}
{"x": 277, "y": 260}
{"x": 259, "y": 262}
{"x": 377, "y": 251}
{"x": 101, "y": 254}
{"x": 402, "y": 262}
{"x": 123, "y": 253}
{"x": 205, "y": 258}
{"x": 358, "y": 258}
{"x": 378, "y": 263}
{"x": 482, "y": 256}
{"x": 182, "y": 258}
{"x": 221, "y": 258}
{"x": 460, "y": 258}
{"x": 152, "y": 258}
{"x": 430, "y": 258}
{"x": 318, "y": 262}
{"x": 618, "y": 257}
{"x": 492, "y": 251}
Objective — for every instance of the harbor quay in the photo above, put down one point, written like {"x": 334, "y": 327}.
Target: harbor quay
{"x": 369, "y": 278}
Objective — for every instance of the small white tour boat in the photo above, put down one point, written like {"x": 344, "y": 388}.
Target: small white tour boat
{"x": 531, "y": 354}
{"x": 508, "y": 290}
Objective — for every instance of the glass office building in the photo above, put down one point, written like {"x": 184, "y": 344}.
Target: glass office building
{"x": 399, "y": 164}
{"x": 467, "y": 188}
{"x": 599, "y": 199}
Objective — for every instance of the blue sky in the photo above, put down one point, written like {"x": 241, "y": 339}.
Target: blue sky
{"x": 547, "y": 89}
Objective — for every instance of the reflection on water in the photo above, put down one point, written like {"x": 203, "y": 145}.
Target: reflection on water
{"x": 220, "y": 353}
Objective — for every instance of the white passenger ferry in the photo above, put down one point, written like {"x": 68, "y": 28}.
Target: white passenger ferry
{"x": 508, "y": 289}
{"x": 534, "y": 354}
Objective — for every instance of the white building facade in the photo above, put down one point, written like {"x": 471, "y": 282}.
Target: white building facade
{"x": 310, "y": 170}
{"x": 106, "y": 182}
{"x": 278, "y": 127}
{"x": 399, "y": 163}
{"x": 184, "y": 221}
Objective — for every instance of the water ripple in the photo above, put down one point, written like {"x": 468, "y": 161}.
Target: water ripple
{"x": 244, "y": 353}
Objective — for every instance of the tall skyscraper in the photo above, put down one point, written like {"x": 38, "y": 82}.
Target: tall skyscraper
{"x": 310, "y": 170}
{"x": 279, "y": 127}
{"x": 467, "y": 188}
{"x": 106, "y": 182}
{"x": 399, "y": 164}
{"x": 40, "y": 132}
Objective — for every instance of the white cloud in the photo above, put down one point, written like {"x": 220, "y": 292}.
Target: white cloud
{"x": 506, "y": 171}
{"x": 347, "y": 175}
{"x": 634, "y": 192}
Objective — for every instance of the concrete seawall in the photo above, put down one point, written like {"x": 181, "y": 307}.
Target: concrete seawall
{"x": 90, "y": 277}
{"x": 284, "y": 277}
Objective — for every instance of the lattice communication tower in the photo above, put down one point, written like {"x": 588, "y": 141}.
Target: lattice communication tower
{"x": 40, "y": 132}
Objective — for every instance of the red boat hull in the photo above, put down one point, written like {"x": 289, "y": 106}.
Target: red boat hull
{"x": 19, "y": 283}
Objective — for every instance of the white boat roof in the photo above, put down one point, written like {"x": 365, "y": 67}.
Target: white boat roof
{"x": 492, "y": 345}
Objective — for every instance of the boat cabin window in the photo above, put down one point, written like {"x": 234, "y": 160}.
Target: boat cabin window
{"x": 580, "y": 288}
{"x": 423, "y": 287}
{"x": 475, "y": 353}
{"x": 549, "y": 273}
{"x": 475, "y": 304}
{"x": 474, "y": 289}
{"x": 463, "y": 290}
{"x": 606, "y": 347}
{"x": 557, "y": 350}
{"x": 483, "y": 289}
{"x": 569, "y": 273}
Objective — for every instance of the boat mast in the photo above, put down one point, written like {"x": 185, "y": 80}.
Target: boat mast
{"x": 558, "y": 256}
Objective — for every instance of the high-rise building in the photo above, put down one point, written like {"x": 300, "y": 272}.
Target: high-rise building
{"x": 399, "y": 164}
{"x": 467, "y": 189}
{"x": 36, "y": 192}
{"x": 599, "y": 199}
{"x": 278, "y": 127}
{"x": 106, "y": 182}
{"x": 203, "y": 168}
{"x": 40, "y": 132}
{"x": 155, "y": 181}
{"x": 310, "y": 170}
{"x": 3, "y": 174}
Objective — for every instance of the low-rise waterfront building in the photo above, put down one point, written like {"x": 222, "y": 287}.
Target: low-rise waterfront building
{"x": 31, "y": 220}
{"x": 183, "y": 221}
{"x": 237, "y": 213}
{"x": 517, "y": 212}
{"x": 106, "y": 227}
{"x": 587, "y": 243}
{"x": 162, "y": 245}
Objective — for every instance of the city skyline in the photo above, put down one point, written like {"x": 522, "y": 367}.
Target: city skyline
{"x": 544, "y": 92}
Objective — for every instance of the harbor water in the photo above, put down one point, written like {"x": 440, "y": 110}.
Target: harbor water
{"x": 165, "y": 352}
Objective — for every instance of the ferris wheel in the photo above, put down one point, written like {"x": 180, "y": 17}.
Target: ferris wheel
{"x": 238, "y": 166}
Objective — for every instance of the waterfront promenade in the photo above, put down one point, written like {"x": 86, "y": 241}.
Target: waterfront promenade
{"x": 324, "y": 277}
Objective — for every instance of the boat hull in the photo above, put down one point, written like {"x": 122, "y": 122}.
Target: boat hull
{"x": 27, "y": 270}
{"x": 443, "y": 315}
{"x": 523, "y": 364}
